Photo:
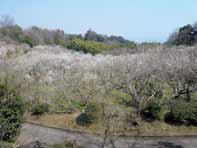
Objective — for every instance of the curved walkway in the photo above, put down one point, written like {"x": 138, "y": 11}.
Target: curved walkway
{"x": 31, "y": 132}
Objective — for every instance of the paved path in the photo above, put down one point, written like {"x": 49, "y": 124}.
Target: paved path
{"x": 33, "y": 132}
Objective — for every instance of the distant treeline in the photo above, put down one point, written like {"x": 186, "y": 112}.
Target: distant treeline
{"x": 91, "y": 42}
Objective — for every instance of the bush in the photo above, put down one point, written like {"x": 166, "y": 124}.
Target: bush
{"x": 184, "y": 112}
{"x": 40, "y": 109}
{"x": 83, "y": 120}
{"x": 153, "y": 111}
{"x": 90, "y": 115}
{"x": 11, "y": 112}
{"x": 27, "y": 40}
{"x": 86, "y": 46}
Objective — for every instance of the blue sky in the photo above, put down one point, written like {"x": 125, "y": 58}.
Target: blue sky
{"x": 139, "y": 20}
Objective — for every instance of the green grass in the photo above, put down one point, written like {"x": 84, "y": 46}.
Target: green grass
{"x": 78, "y": 104}
{"x": 155, "y": 128}
{"x": 65, "y": 121}
{"x": 5, "y": 145}
{"x": 66, "y": 144}
{"x": 116, "y": 101}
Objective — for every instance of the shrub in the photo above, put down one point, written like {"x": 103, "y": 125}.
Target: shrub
{"x": 83, "y": 120}
{"x": 184, "y": 112}
{"x": 153, "y": 111}
{"x": 27, "y": 40}
{"x": 86, "y": 46}
{"x": 11, "y": 112}
{"x": 40, "y": 109}
{"x": 90, "y": 115}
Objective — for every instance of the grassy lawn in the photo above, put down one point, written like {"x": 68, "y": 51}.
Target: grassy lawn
{"x": 65, "y": 121}
{"x": 155, "y": 128}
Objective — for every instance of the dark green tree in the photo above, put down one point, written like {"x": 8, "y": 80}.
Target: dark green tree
{"x": 11, "y": 112}
{"x": 185, "y": 36}
{"x": 90, "y": 115}
{"x": 93, "y": 36}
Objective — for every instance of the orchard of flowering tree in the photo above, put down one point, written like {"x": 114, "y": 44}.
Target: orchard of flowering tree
{"x": 97, "y": 83}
